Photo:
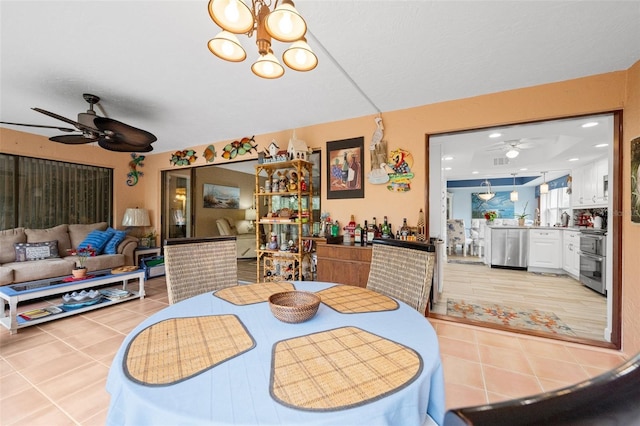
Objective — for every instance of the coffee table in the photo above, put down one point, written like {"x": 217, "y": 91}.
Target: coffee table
{"x": 14, "y": 293}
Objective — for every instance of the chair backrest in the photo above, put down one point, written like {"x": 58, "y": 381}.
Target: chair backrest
{"x": 613, "y": 398}
{"x": 403, "y": 270}
{"x": 455, "y": 231}
{"x": 197, "y": 265}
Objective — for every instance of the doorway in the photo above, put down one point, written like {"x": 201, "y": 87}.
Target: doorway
{"x": 459, "y": 162}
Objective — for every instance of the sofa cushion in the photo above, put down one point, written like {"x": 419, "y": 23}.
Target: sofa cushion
{"x": 59, "y": 233}
{"x": 6, "y": 275}
{"x": 77, "y": 233}
{"x": 96, "y": 239}
{"x": 8, "y": 238}
{"x": 35, "y": 251}
{"x": 40, "y": 269}
{"x": 104, "y": 261}
{"x": 114, "y": 242}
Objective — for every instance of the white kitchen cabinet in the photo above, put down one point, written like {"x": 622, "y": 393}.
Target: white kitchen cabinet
{"x": 588, "y": 184}
{"x": 545, "y": 249}
{"x": 570, "y": 255}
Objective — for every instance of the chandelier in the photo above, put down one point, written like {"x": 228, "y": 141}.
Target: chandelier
{"x": 486, "y": 196}
{"x": 284, "y": 24}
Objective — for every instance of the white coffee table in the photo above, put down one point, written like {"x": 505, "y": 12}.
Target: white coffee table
{"x": 14, "y": 293}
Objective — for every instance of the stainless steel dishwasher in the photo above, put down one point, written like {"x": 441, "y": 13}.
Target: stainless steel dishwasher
{"x": 509, "y": 248}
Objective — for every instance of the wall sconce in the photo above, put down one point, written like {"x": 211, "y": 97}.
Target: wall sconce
{"x": 486, "y": 196}
{"x": 514, "y": 194}
{"x": 544, "y": 188}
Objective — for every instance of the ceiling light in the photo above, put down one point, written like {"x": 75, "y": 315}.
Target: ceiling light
{"x": 590, "y": 124}
{"x": 601, "y": 145}
{"x": 495, "y": 135}
{"x": 514, "y": 194}
{"x": 486, "y": 196}
{"x": 447, "y": 158}
{"x": 284, "y": 24}
{"x": 512, "y": 153}
{"x": 447, "y": 168}
{"x": 475, "y": 172}
{"x": 574, "y": 159}
{"x": 544, "y": 188}
{"x": 524, "y": 169}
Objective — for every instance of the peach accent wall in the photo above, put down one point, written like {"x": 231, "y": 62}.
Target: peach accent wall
{"x": 407, "y": 129}
{"x": 630, "y": 230}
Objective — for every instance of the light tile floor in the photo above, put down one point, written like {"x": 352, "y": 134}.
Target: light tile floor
{"x": 55, "y": 373}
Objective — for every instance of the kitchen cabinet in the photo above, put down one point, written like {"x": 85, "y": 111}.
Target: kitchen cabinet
{"x": 570, "y": 255}
{"x": 344, "y": 264}
{"x": 545, "y": 249}
{"x": 588, "y": 184}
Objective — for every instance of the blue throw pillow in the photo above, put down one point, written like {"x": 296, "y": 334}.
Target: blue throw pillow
{"x": 97, "y": 240}
{"x": 116, "y": 239}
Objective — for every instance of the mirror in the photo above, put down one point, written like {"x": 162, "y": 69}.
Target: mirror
{"x": 565, "y": 154}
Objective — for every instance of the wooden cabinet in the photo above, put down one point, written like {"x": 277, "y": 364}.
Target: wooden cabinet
{"x": 545, "y": 249}
{"x": 284, "y": 222}
{"x": 343, "y": 264}
{"x": 570, "y": 255}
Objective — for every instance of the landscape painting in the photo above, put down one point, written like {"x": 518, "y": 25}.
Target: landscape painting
{"x": 220, "y": 197}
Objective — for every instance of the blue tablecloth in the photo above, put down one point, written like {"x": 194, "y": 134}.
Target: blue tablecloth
{"x": 237, "y": 391}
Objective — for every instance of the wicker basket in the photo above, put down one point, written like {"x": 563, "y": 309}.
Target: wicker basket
{"x": 294, "y": 306}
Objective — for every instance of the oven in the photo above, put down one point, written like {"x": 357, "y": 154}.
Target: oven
{"x": 593, "y": 259}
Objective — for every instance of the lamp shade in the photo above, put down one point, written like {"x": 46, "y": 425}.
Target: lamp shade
{"x": 267, "y": 66}
{"x": 300, "y": 57}
{"x": 136, "y": 217}
{"x": 285, "y": 23}
{"x": 231, "y": 15}
{"x": 486, "y": 196}
{"x": 226, "y": 46}
{"x": 514, "y": 195}
{"x": 250, "y": 214}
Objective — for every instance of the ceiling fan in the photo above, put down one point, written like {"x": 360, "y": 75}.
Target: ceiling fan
{"x": 513, "y": 147}
{"x": 110, "y": 134}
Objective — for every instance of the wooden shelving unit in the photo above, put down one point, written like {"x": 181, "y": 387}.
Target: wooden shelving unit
{"x": 293, "y": 227}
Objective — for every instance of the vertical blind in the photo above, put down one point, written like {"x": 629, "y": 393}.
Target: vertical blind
{"x": 38, "y": 193}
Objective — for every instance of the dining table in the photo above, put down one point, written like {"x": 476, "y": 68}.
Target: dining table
{"x": 223, "y": 358}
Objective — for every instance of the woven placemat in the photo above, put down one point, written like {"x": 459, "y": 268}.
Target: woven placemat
{"x": 349, "y": 299}
{"x": 338, "y": 369}
{"x": 248, "y": 294}
{"x": 179, "y": 348}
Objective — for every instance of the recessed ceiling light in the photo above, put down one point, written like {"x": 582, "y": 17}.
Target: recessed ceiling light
{"x": 495, "y": 135}
{"x": 447, "y": 158}
{"x": 590, "y": 124}
{"x": 601, "y": 145}
{"x": 523, "y": 169}
{"x": 447, "y": 168}
{"x": 573, "y": 159}
{"x": 475, "y": 172}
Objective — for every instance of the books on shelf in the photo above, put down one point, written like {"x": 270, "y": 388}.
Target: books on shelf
{"x": 40, "y": 312}
{"x": 114, "y": 293}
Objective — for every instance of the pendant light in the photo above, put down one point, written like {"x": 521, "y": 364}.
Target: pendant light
{"x": 514, "y": 194}
{"x": 486, "y": 196}
{"x": 544, "y": 188}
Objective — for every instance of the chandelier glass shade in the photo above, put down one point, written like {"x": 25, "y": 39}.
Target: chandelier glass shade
{"x": 486, "y": 196}
{"x": 284, "y": 24}
{"x": 544, "y": 187}
{"x": 514, "y": 194}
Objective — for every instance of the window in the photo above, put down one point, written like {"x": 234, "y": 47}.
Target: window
{"x": 39, "y": 193}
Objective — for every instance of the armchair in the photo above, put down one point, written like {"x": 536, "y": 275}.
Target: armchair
{"x": 246, "y": 243}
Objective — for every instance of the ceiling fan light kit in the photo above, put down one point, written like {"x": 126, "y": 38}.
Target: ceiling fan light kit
{"x": 512, "y": 153}
{"x": 284, "y": 24}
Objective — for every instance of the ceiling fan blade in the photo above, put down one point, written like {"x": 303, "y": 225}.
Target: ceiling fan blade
{"x": 77, "y": 125}
{"x": 125, "y": 133}
{"x": 62, "y": 129}
{"x": 123, "y": 146}
{"x": 72, "y": 139}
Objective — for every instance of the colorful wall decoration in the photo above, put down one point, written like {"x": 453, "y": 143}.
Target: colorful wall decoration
{"x": 134, "y": 174}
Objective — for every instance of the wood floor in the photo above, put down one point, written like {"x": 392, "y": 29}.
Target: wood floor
{"x": 581, "y": 308}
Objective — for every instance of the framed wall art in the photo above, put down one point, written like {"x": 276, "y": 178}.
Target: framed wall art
{"x": 635, "y": 180}
{"x": 501, "y": 204}
{"x": 220, "y": 197}
{"x": 345, "y": 168}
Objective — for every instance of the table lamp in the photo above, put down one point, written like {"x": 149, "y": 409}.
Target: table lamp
{"x": 250, "y": 215}
{"x": 134, "y": 218}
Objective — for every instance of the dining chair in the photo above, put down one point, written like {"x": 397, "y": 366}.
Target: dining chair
{"x": 403, "y": 270}
{"x": 197, "y": 265}
{"x": 456, "y": 235}
{"x": 612, "y": 398}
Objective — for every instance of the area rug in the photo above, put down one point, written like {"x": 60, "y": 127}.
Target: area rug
{"x": 466, "y": 262}
{"x": 530, "y": 319}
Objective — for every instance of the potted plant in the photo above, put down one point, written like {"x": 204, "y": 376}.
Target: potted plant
{"x": 148, "y": 239}
{"x": 80, "y": 271}
{"x": 521, "y": 217}
{"x": 490, "y": 216}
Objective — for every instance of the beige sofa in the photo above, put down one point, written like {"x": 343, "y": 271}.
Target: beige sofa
{"x": 246, "y": 243}
{"x": 60, "y": 263}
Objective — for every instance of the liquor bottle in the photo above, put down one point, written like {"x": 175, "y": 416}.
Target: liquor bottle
{"x": 371, "y": 232}
{"x": 405, "y": 230}
{"x": 358, "y": 235}
{"x": 385, "y": 228}
{"x": 365, "y": 234}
